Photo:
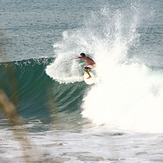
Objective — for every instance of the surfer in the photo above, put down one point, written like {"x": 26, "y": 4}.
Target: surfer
{"x": 90, "y": 63}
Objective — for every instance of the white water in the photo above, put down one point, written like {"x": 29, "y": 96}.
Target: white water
{"x": 129, "y": 98}
{"x": 128, "y": 95}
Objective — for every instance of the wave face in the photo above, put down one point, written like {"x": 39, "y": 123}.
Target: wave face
{"x": 33, "y": 92}
{"x": 129, "y": 93}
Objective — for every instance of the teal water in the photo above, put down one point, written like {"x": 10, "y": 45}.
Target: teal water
{"x": 34, "y": 89}
{"x": 118, "y": 119}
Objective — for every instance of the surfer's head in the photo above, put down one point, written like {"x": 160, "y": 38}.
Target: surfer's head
{"x": 82, "y": 54}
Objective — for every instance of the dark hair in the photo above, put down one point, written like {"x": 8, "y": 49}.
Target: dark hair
{"x": 82, "y": 54}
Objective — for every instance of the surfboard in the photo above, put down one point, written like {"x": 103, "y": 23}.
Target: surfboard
{"x": 90, "y": 80}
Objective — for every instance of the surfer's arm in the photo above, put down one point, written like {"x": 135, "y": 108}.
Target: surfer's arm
{"x": 76, "y": 58}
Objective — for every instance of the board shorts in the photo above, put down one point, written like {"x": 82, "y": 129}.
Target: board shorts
{"x": 88, "y": 67}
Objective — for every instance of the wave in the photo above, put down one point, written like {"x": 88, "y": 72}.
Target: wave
{"x": 128, "y": 94}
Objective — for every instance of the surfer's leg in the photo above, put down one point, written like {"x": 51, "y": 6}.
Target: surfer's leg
{"x": 89, "y": 75}
{"x": 87, "y": 69}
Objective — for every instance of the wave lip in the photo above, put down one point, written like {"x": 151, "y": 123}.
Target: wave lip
{"x": 58, "y": 72}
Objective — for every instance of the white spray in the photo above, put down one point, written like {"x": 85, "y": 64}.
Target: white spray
{"x": 128, "y": 96}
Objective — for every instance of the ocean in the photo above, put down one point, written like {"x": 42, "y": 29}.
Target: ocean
{"x": 49, "y": 114}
